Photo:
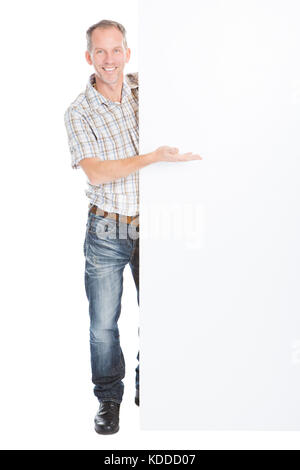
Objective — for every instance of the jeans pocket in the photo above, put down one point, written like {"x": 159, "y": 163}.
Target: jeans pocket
{"x": 102, "y": 228}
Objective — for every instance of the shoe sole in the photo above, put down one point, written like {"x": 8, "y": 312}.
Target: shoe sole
{"x": 100, "y": 431}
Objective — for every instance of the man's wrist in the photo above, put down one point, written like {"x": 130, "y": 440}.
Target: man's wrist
{"x": 151, "y": 157}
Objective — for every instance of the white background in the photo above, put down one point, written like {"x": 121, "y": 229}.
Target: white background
{"x": 46, "y": 392}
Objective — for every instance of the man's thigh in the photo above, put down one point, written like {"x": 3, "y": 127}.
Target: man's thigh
{"x": 105, "y": 259}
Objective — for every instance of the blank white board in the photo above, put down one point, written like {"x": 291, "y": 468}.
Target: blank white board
{"x": 220, "y": 255}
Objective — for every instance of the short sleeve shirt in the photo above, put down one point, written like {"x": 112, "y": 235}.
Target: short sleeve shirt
{"x": 98, "y": 127}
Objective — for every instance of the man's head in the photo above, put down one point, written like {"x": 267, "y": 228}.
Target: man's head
{"x": 107, "y": 51}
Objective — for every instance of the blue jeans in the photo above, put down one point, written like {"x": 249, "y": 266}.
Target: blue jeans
{"x": 108, "y": 247}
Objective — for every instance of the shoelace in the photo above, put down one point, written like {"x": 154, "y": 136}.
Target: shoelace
{"x": 106, "y": 406}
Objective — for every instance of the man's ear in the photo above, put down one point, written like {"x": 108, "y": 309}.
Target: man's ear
{"x": 88, "y": 57}
{"x": 128, "y": 53}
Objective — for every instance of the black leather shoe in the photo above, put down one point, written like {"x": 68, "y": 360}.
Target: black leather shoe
{"x": 107, "y": 418}
{"x": 137, "y": 397}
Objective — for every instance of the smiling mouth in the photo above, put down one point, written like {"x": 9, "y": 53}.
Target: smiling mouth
{"x": 109, "y": 69}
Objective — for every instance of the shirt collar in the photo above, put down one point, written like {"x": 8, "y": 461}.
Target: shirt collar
{"x": 96, "y": 100}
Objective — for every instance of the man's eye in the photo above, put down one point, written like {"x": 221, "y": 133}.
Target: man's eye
{"x": 99, "y": 52}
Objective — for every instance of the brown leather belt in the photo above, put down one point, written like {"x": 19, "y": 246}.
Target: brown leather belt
{"x": 127, "y": 219}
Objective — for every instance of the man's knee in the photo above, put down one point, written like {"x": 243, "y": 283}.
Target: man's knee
{"x": 103, "y": 335}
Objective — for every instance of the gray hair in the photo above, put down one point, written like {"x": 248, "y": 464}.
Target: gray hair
{"x": 105, "y": 24}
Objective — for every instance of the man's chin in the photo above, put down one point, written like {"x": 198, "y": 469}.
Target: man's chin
{"x": 111, "y": 81}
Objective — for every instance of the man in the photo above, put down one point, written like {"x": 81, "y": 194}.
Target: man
{"x": 102, "y": 127}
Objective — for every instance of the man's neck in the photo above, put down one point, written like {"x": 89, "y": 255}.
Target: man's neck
{"x": 111, "y": 92}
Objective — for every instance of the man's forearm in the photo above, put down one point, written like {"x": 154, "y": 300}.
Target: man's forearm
{"x": 110, "y": 170}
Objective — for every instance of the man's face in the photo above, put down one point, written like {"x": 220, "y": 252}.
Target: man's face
{"x": 108, "y": 55}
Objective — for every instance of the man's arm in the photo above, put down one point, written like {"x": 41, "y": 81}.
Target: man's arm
{"x": 89, "y": 154}
{"x": 99, "y": 171}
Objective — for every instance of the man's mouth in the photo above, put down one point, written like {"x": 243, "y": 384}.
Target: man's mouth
{"x": 109, "y": 69}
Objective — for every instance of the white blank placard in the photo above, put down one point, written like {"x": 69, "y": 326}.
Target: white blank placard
{"x": 220, "y": 255}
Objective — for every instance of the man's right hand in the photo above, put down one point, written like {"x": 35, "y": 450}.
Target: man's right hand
{"x": 171, "y": 154}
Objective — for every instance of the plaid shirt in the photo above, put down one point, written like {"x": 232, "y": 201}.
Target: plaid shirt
{"x": 98, "y": 127}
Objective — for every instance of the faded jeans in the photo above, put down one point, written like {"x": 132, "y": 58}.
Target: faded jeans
{"x": 108, "y": 247}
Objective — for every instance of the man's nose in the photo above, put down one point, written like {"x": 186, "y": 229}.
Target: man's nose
{"x": 109, "y": 58}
